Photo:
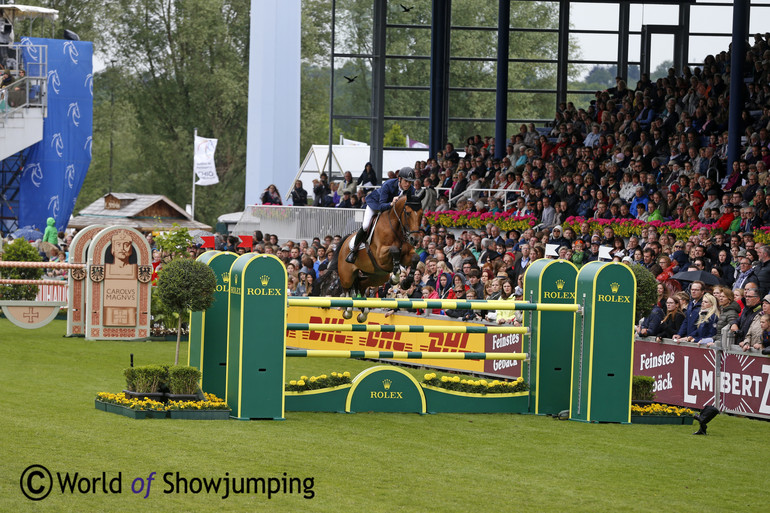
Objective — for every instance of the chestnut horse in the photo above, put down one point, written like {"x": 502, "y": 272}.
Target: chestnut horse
{"x": 393, "y": 235}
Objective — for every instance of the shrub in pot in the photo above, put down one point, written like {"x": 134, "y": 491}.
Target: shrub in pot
{"x": 183, "y": 380}
{"x": 130, "y": 374}
{"x": 148, "y": 379}
{"x": 642, "y": 389}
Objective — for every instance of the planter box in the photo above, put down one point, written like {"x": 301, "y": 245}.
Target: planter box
{"x": 183, "y": 397}
{"x": 168, "y": 338}
{"x": 128, "y": 412}
{"x": 199, "y": 414}
{"x": 155, "y": 396}
{"x": 661, "y": 419}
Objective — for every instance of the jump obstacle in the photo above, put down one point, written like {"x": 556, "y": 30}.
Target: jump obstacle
{"x": 410, "y": 355}
{"x": 575, "y": 362}
{"x": 33, "y": 314}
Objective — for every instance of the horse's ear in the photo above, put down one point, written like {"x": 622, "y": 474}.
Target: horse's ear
{"x": 414, "y": 201}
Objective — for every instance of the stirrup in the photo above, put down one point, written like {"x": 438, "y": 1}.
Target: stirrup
{"x": 351, "y": 258}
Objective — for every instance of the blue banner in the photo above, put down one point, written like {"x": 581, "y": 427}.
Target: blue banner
{"x": 56, "y": 166}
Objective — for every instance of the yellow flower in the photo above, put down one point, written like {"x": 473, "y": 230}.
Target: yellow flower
{"x": 444, "y": 379}
{"x": 456, "y": 379}
{"x": 301, "y": 382}
{"x": 313, "y": 379}
{"x": 346, "y": 374}
{"x": 334, "y": 374}
{"x": 304, "y": 378}
{"x": 293, "y": 382}
{"x": 322, "y": 376}
{"x": 483, "y": 382}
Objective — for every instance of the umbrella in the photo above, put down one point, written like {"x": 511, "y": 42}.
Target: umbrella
{"x": 27, "y": 233}
{"x": 198, "y": 235}
{"x": 707, "y": 278}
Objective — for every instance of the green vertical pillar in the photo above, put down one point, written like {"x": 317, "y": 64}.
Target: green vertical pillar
{"x": 550, "y": 339}
{"x": 256, "y": 343}
{"x": 603, "y": 344}
{"x": 208, "y": 329}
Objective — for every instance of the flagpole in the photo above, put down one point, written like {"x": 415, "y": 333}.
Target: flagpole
{"x": 192, "y": 208}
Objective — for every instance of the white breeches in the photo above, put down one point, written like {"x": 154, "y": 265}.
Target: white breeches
{"x": 367, "y": 223}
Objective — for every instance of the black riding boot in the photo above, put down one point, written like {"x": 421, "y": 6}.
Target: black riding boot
{"x": 706, "y": 414}
{"x": 360, "y": 237}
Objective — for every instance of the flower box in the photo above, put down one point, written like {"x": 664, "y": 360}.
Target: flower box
{"x": 199, "y": 414}
{"x": 155, "y": 396}
{"x": 128, "y": 412}
{"x": 662, "y": 419}
{"x": 183, "y": 397}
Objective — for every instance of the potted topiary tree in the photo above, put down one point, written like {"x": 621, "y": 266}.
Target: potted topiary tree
{"x": 646, "y": 291}
{"x": 183, "y": 383}
{"x": 186, "y": 285}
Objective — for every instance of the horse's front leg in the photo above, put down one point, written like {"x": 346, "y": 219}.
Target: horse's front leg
{"x": 395, "y": 274}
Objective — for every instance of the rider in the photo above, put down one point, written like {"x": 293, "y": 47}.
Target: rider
{"x": 380, "y": 200}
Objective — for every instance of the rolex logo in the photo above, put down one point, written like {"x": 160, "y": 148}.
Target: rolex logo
{"x": 614, "y": 286}
{"x": 225, "y": 277}
{"x": 559, "y": 284}
{"x": 264, "y": 279}
{"x": 386, "y": 384}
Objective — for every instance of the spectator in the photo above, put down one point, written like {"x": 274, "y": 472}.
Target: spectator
{"x": 692, "y": 312}
{"x": 298, "y": 195}
{"x": 705, "y": 326}
{"x": 673, "y": 319}
{"x": 762, "y": 270}
{"x": 729, "y": 310}
{"x": 368, "y": 177}
{"x": 271, "y": 196}
{"x": 750, "y": 310}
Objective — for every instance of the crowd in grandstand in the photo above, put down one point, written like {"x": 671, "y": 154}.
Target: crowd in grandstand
{"x": 656, "y": 151}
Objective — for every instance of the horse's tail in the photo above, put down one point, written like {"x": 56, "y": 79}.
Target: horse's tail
{"x": 329, "y": 284}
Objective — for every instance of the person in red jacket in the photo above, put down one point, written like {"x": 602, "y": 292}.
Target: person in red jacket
{"x": 726, "y": 219}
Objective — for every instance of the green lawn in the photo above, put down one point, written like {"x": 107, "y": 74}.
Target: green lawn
{"x": 359, "y": 462}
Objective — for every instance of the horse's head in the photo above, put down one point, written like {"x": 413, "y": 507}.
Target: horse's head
{"x": 409, "y": 209}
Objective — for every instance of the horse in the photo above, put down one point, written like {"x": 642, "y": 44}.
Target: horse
{"x": 390, "y": 245}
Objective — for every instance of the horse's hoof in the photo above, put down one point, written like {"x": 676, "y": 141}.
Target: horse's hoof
{"x": 394, "y": 279}
{"x": 362, "y": 317}
{"x": 347, "y": 314}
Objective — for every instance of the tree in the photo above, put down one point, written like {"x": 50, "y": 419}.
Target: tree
{"x": 395, "y": 136}
{"x": 186, "y": 285}
{"x": 646, "y": 291}
{"x": 183, "y": 68}
{"x": 20, "y": 251}
{"x": 175, "y": 241}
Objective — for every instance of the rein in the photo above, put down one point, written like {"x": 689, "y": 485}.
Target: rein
{"x": 405, "y": 232}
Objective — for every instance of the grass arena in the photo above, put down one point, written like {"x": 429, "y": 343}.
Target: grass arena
{"x": 453, "y": 461}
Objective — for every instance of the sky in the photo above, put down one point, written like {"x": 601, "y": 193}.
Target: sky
{"x": 703, "y": 18}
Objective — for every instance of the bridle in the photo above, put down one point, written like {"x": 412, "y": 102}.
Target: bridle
{"x": 406, "y": 234}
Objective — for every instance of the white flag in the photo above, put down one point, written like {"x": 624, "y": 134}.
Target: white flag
{"x": 204, "y": 161}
